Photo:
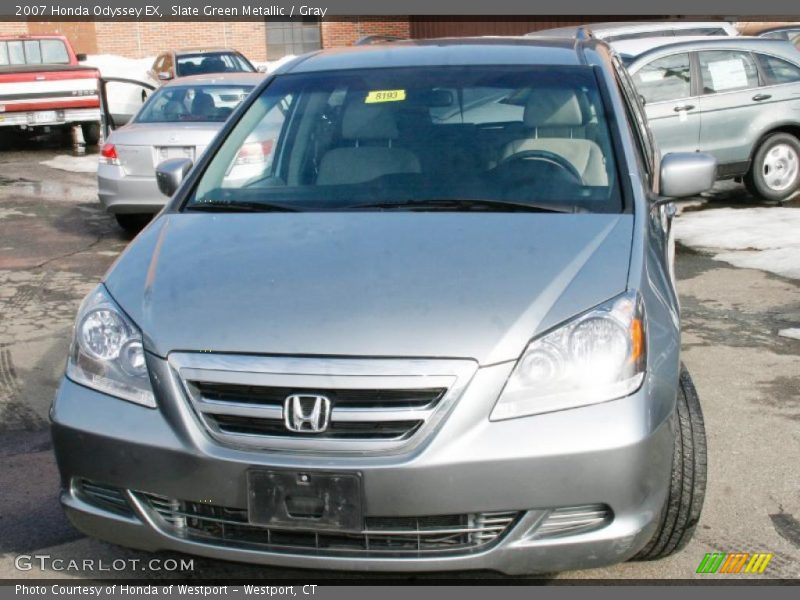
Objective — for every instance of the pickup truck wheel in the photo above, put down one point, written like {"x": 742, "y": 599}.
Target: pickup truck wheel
{"x": 688, "y": 484}
{"x": 775, "y": 172}
{"x": 91, "y": 133}
{"x": 132, "y": 223}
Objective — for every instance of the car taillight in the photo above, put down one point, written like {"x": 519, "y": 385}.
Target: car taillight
{"x": 254, "y": 152}
{"x": 108, "y": 155}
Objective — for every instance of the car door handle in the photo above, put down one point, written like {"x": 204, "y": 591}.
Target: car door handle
{"x": 760, "y": 97}
{"x": 685, "y": 107}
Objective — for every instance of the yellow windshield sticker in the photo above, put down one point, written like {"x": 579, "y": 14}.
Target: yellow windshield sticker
{"x": 385, "y": 96}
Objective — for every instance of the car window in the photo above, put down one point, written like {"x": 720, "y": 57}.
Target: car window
{"x": 643, "y": 140}
{"x": 667, "y": 78}
{"x": 727, "y": 70}
{"x": 208, "y": 62}
{"x": 698, "y": 31}
{"x": 776, "y": 35}
{"x": 192, "y": 103}
{"x": 33, "y": 54}
{"x": 376, "y": 136}
{"x": 777, "y": 70}
{"x": 54, "y": 52}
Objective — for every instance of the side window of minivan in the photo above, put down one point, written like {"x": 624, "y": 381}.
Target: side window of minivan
{"x": 727, "y": 71}
{"x": 777, "y": 70}
{"x": 664, "y": 79}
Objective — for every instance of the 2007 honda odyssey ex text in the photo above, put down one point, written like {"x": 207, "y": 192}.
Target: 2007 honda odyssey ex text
{"x": 438, "y": 331}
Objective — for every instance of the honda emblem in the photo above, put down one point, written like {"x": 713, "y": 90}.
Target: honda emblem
{"x": 306, "y": 413}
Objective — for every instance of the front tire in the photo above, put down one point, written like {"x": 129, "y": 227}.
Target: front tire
{"x": 132, "y": 223}
{"x": 775, "y": 172}
{"x": 688, "y": 483}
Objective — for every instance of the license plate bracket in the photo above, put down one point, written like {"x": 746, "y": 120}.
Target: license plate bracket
{"x": 305, "y": 500}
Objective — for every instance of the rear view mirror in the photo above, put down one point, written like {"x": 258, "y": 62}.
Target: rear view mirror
{"x": 687, "y": 174}
{"x": 438, "y": 98}
{"x": 170, "y": 173}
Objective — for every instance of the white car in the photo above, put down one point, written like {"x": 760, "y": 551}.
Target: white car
{"x": 630, "y": 30}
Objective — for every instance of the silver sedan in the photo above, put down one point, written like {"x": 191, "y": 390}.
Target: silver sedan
{"x": 178, "y": 120}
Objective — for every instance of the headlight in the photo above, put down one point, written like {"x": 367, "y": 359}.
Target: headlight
{"x": 596, "y": 357}
{"x": 107, "y": 352}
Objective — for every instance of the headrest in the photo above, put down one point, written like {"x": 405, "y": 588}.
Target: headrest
{"x": 368, "y": 122}
{"x": 553, "y": 107}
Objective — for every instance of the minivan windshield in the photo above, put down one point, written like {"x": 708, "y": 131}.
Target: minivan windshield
{"x": 451, "y": 138}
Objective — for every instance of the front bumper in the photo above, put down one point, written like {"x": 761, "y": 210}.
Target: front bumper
{"x": 616, "y": 454}
{"x": 120, "y": 193}
{"x": 62, "y": 117}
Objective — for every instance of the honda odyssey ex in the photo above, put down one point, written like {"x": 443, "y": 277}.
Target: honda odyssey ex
{"x": 438, "y": 330}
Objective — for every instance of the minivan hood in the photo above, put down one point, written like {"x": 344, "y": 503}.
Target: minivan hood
{"x": 389, "y": 284}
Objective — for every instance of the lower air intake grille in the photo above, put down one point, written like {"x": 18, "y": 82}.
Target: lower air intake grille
{"x": 382, "y": 536}
{"x": 572, "y": 520}
{"x": 103, "y": 496}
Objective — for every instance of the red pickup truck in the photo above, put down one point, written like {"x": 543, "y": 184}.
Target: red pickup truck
{"x": 42, "y": 84}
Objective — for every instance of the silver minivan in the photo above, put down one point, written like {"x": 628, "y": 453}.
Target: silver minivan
{"x": 438, "y": 330}
{"x": 736, "y": 98}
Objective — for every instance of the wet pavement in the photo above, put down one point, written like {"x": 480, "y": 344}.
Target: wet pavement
{"x": 56, "y": 242}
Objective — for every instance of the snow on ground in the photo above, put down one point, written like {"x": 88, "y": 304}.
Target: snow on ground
{"x": 793, "y": 333}
{"x": 74, "y": 164}
{"x": 766, "y": 238}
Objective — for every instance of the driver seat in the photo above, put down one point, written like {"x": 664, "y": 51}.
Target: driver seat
{"x": 553, "y": 113}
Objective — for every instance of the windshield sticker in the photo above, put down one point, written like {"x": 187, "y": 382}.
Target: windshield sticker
{"x": 385, "y": 96}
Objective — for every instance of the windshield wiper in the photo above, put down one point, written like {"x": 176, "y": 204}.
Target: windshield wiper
{"x": 465, "y": 204}
{"x": 240, "y": 206}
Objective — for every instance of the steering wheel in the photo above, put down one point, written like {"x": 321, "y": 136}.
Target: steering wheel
{"x": 547, "y": 157}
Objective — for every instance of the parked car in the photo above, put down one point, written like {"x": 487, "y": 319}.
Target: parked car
{"x": 736, "y": 98}
{"x": 631, "y": 30}
{"x": 409, "y": 343}
{"x": 179, "y": 119}
{"x": 790, "y": 33}
{"x": 198, "y": 61}
{"x": 43, "y": 85}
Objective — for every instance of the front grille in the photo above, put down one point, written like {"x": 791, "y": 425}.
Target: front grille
{"x": 102, "y": 496}
{"x": 372, "y": 414}
{"x": 369, "y": 405}
{"x": 382, "y": 536}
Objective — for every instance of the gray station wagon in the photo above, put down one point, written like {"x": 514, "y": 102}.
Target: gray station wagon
{"x": 736, "y": 98}
{"x": 437, "y": 331}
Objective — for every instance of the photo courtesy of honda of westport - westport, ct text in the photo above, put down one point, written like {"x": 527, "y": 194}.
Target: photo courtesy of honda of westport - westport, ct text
{"x": 409, "y": 298}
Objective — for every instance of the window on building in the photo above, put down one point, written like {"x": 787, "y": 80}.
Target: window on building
{"x": 292, "y": 37}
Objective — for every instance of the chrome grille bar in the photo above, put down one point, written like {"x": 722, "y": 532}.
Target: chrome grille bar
{"x": 376, "y": 405}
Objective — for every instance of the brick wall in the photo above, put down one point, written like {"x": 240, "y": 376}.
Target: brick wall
{"x": 344, "y": 31}
{"x": 137, "y": 40}
{"x": 13, "y": 27}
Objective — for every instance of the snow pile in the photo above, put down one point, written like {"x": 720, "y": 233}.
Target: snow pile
{"x": 792, "y": 333}
{"x": 766, "y": 238}
{"x": 123, "y": 98}
{"x": 270, "y": 65}
{"x": 73, "y": 164}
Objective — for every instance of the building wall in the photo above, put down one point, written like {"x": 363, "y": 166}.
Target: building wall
{"x": 137, "y": 40}
{"x": 344, "y": 31}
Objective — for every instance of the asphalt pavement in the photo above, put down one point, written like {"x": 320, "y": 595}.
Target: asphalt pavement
{"x": 56, "y": 242}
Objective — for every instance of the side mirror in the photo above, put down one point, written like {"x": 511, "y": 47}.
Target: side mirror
{"x": 262, "y": 69}
{"x": 687, "y": 174}
{"x": 164, "y": 75}
{"x": 80, "y": 57}
{"x": 170, "y": 173}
